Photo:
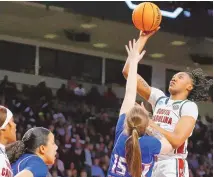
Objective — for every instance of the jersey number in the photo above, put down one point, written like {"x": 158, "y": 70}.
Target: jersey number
{"x": 120, "y": 168}
{"x": 119, "y": 165}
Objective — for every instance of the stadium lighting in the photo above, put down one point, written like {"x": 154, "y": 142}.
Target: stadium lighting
{"x": 88, "y": 26}
{"x": 100, "y": 45}
{"x": 178, "y": 43}
{"x": 157, "y": 55}
{"x": 164, "y": 13}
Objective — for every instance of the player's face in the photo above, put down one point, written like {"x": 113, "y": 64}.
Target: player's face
{"x": 180, "y": 82}
{"x": 11, "y": 131}
{"x": 50, "y": 150}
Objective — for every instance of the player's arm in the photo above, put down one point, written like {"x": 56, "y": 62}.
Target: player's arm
{"x": 166, "y": 147}
{"x": 131, "y": 83}
{"x": 183, "y": 128}
{"x": 143, "y": 89}
{"x": 24, "y": 173}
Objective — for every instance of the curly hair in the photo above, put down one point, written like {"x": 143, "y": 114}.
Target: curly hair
{"x": 201, "y": 85}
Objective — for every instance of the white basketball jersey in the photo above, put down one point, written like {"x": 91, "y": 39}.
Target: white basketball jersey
{"x": 5, "y": 168}
{"x": 166, "y": 114}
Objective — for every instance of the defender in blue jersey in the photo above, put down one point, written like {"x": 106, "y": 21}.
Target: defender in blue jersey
{"x": 30, "y": 156}
{"x": 134, "y": 152}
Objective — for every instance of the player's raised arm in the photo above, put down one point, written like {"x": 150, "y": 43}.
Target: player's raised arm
{"x": 131, "y": 84}
{"x": 143, "y": 89}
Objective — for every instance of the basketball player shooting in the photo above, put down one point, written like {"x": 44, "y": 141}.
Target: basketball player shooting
{"x": 175, "y": 116}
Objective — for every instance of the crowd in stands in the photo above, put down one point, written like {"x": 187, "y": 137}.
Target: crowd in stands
{"x": 83, "y": 123}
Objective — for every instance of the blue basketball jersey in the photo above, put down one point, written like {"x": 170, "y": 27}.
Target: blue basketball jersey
{"x": 32, "y": 163}
{"x": 150, "y": 147}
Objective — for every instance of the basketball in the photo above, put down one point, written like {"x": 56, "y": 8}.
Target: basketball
{"x": 146, "y": 16}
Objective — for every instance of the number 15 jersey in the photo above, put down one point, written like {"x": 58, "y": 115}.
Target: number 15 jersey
{"x": 150, "y": 147}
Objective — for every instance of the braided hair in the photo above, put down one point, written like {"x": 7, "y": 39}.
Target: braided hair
{"x": 201, "y": 85}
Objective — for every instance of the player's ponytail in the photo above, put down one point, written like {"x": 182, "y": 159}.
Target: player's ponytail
{"x": 135, "y": 126}
{"x": 15, "y": 150}
{"x": 133, "y": 155}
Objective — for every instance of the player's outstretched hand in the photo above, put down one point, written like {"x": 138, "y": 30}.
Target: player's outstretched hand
{"x": 132, "y": 50}
{"x": 149, "y": 34}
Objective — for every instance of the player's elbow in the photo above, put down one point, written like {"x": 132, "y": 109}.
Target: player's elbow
{"x": 125, "y": 73}
{"x": 177, "y": 143}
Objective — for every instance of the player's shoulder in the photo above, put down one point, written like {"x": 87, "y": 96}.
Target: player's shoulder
{"x": 31, "y": 158}
{"x": 36, "y": 165}
{"x": 148, "y": 141}
{"x": 190, "y": 101}
{"x": 3, "y": 159}
{"x": 35, "y": 158}
{"x": 189, "y": 104}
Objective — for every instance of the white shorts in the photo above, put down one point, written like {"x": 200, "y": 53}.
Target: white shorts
{"x": 171, "y": 168}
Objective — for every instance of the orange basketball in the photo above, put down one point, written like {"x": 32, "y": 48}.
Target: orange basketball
{"x": 146, "y": 16}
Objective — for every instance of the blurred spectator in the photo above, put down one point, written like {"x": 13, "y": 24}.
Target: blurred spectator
{"x": 110, "y": 98}
{"x": 72, "y": 83}
{"x": 88, "y": 156}
{"x": 68, "y": 173}
{"x": 4, "y": 83}
{"x": 193, "y": 161}
{"x": 42, "y": 92}
{"x": 83, "y": 173}
{"x": 62, "y": 93}
{"x": 96, "y": 169}
{"x": 58, "y": 166}
{"x": 109, "y": 94}
{"x": 7, "y": 89}
{"x": 80, "y": 91}
{"x": 93, "y": 95}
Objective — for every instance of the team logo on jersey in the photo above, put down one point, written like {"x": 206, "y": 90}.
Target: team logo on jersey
{"x": 175, "y": 107}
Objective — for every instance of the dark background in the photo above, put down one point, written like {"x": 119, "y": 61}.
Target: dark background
{"x": 201, "y": 14}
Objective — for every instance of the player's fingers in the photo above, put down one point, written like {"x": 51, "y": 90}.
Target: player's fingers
{"x": 134, "y": 43}
{"x": 157, "y": 28}
{"x": 130, "y": 45}
{"x": 142, "y": 105}
{"x": 141, "y": 33}
{"x": 154, "y": 31}
{"x": 127, "y": 49}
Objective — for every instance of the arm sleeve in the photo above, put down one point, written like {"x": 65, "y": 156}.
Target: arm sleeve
{"x": 154, "y": 96}
{"x": 37, "y": 167}
{"x": 189, "y": 109}
{"x": 119, "y": 126}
